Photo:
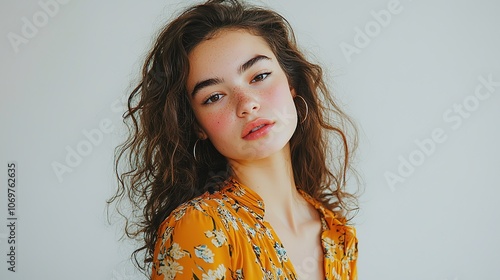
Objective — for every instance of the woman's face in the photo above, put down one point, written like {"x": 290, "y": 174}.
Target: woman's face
{"x": 240, "y": 96}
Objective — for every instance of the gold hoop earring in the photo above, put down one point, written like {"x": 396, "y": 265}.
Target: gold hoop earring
{"x": 307, "y": 108}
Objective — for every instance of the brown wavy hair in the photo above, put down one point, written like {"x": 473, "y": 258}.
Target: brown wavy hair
{"x": 155, "y": 166}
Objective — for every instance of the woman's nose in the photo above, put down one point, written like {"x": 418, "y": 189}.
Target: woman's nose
{"x": 247, "y": 103}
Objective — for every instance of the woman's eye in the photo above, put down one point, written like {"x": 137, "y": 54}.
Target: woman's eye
{"x": 213, "y": 98}
{"x": 260, "y": 77}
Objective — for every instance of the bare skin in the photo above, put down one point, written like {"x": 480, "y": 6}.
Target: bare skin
{"x": 303, "y": 247}
{"x": 293, "y": 219}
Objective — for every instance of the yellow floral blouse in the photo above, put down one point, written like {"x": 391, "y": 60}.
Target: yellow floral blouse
{"x": 223, "y": 236}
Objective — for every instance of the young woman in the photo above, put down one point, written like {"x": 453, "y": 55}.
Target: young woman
{"x": 229, "y": 168}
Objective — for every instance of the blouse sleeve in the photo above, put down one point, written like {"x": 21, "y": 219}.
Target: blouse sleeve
{"x": 192, "y": 244}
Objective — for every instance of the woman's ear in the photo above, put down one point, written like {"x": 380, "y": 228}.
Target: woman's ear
{"x": 292, "y": 90}
{"x": 199, "y": 131}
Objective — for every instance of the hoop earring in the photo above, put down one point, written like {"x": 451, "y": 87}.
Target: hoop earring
{"x": 307, "y": 108}
{"x": 194, "y": 149}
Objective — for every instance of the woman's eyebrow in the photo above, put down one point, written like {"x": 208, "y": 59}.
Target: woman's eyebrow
{"x": 251, "y": 62}
{"x": 214, "y": 81}
{"x": 205, "y": 83}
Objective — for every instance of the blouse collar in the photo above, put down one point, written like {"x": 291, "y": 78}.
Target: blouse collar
{"x": 249, "y": 198}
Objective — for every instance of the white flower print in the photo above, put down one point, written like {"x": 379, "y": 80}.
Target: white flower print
{"x": 269, "y": 234}
{"x": 220, "y": 202}
{"x": 197, "y": 204}
{"x": 204, "y": 253}
{"x": 348, "y": 257}
{"x": 239, "y": 274}
{"x": 169, "y": 269}
{"x": 268, "y": 275}
{"x": 217, "y": 274}
{"x": 250, "y": 231}
{"x": 280, "y": 251}
{"x": 324, "y": 226}
{"x": 260, "y": 203}
{"x": 165, "y": 238}
{"x": 239, "y": 192}
{"x": 227, "y": 218}
{"x": 167, "y": 233}
{"x": 256, "y": 249}
{"x": 336, "y": 275}
{"x": 179, "y": 214}
{"x": 329, "y": 247}
{"x": 220, "y": 238}
{"x": 176, "y": 252}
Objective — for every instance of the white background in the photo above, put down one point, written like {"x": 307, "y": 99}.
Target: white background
{"x": 439, "y": 222}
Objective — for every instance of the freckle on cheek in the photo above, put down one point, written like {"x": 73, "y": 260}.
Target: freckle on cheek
{"x": 217, "y": 125}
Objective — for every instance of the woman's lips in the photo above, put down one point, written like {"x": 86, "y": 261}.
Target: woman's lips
{"x": 258, "y": 133}
{"x": 256, "y": 129}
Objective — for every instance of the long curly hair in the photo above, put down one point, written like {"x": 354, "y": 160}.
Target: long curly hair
{"x": 155, "y": 166}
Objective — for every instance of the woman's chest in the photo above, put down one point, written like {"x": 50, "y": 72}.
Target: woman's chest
{"x": 264, "y": 252}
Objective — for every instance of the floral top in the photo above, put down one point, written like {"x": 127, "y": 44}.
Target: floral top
{"x": 223, "y": 235}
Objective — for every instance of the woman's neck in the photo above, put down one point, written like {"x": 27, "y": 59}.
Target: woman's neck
{"x": 272, "y": 179}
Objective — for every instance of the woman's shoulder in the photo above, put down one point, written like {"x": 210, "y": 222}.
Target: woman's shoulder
{"x": 205, "y": 205}
{"x": 193, "y": 238}
{"x": 200, "y": 211}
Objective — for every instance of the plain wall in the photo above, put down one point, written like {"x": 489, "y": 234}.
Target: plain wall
{"x": 415, "y": 82}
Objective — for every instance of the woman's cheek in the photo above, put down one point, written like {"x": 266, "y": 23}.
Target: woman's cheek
{"x": 218, "y": 125}
{"x": 221, "y": 133}
{"x": 278, "y": 95}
